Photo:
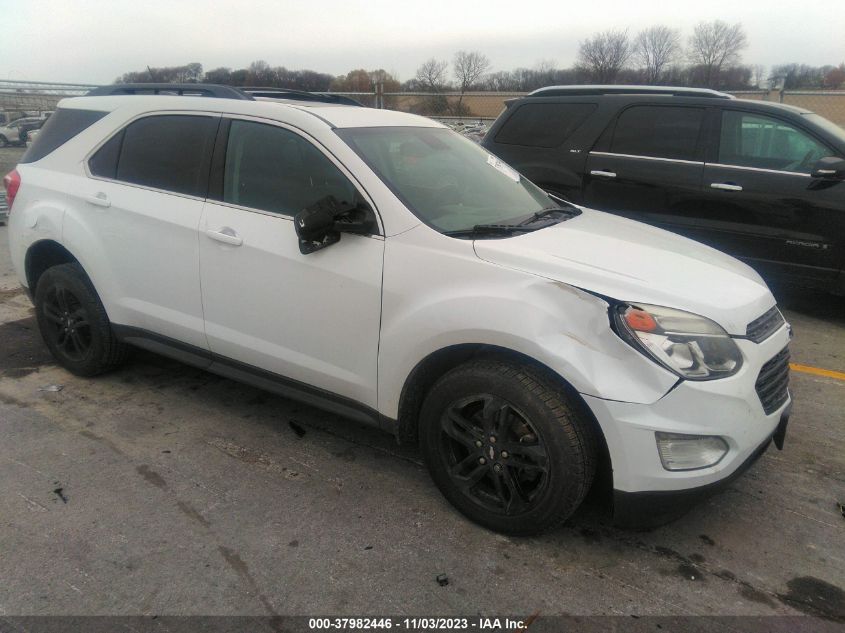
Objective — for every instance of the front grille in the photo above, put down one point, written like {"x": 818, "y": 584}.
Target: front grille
{"x": 764, "y": 326}
{"x": 773, "y": 382}
{"x": 3, "y": 206}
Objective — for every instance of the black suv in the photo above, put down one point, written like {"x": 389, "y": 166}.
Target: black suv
{"x": 762, "y": 181}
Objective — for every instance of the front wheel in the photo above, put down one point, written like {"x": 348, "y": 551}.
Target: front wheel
{"x": 74, "y": 324}
{"x": 3, "y": 141}
{"x": 506, "y": 447}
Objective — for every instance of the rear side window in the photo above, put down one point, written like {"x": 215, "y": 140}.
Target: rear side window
{"x": 543, "y": 124}
{"x": 168, "y": 152}
{"x": 659, "y": 131}
{"x": 62, "y": 126}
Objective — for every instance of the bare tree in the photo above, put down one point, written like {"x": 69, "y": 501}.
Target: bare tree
{"x": 655, "y": 48}
{"x": 714, "y": 45}
{"x": 432, "y": 75}
{"x": 468, "y": 67}
{"x": 604, "y": 55}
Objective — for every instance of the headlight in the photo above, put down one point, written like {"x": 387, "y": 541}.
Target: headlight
{"x": 689, "y": 345}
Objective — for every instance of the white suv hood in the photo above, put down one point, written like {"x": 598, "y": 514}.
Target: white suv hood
{"x": 631, "y": 261}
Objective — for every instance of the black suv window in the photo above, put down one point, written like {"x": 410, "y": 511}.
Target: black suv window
{"x": 752, "y": 140}
{"x": 168, "y": 152}
{"x": 273, "y": 169}
{"x": 659, "y": 131}
{"x": 543, "y": 124}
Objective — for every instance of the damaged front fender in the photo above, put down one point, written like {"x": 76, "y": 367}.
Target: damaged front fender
{"x": 464, "y": 300}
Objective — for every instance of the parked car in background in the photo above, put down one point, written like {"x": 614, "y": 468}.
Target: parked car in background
{"x": 15, "y": 133}
{"x": 381, "y": 266}
{"x": 762, "y": 181}
{"x": 30, "y": 137}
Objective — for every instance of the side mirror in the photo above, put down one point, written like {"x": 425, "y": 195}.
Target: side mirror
{"x": 829, "y": 168}
{"x": 321, "y": 224}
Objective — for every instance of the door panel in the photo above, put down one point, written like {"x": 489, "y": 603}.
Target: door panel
{"x": 763, "y": 205}
{"x": 649, "y": 167}
{"x": 784, "y": 224}
{"x": 145, "y": 198}
{"x": 312, "y": 318}
{"x": 660, "y": 192}
{"x": 149, "y": 240}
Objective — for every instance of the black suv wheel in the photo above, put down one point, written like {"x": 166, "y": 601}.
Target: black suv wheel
{"x": 505, "y": 447}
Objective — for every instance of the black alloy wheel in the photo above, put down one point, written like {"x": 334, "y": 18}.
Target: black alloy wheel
{"x": 493, "y": 453}
{"x": 507, "y": 446}
{"x": 74, "y": 323}
{"x": 71, "y": 329}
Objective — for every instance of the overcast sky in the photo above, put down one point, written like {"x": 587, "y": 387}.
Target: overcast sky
{"x": 96, "y": 41}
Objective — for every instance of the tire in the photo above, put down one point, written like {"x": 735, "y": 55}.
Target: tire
{"x": 520, "y": 473}
{"x": 74, "y": 324}
{"x": 3, "y": 141}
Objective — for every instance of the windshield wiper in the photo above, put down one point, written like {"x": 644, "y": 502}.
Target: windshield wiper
{"x": 524, "y": 226}
{"x": 570, "y": 211}
{"x": 490, "y": 229}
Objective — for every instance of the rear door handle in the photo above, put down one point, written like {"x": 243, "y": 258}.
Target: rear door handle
{"x": 725, "y": 186}
{"x": 98, "y": 199}
{"x": 225, "y": 235}
{"x": 603, "y": 173}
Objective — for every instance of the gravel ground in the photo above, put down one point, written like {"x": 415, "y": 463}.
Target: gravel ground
{"x": 9, "y": 157}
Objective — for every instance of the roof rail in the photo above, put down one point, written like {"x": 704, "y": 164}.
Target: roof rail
{"x": 191, "y": 90}
{"x": 299, "y": 95}
{"x": 590, "y": 91}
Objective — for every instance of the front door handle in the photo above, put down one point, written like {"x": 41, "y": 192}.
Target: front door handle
{"x": 603, "y": 173}
{"x": 725, "y": 186}
{"x": 98, "y": 199}
{"x": 225, "y": 235}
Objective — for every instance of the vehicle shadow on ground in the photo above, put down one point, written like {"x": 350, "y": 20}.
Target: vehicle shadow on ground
{"x": 811, "y": 303}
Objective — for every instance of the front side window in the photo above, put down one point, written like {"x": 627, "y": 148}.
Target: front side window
{"x": 752, "y": 140}
{"x": 168, "y": 152}
{"x": 658, "y": 131}
{"x": 447, "y": 181}
{"x": 272, "y": 169}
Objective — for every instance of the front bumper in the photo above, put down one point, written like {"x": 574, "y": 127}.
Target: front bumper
{"x": 729, "y": 408}
{"x": 639, "y": 510}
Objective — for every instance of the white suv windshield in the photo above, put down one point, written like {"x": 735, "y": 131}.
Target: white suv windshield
{"x": 447, "y": 181}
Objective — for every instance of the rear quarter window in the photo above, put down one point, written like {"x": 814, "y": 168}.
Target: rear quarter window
{"x": 62, "y": 126}
{"x": 543, "y": 124}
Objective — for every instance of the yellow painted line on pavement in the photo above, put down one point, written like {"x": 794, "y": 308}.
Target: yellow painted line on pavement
{"x": 817, "y": 371}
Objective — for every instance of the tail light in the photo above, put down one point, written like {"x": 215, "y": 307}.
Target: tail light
{"x": 12, "y": 182}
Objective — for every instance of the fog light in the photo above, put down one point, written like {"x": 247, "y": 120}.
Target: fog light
{"x": 690, "y": 452}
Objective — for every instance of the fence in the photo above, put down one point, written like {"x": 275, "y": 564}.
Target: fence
{"x": 30, "y": 97}
{"x": 22, "y": 98}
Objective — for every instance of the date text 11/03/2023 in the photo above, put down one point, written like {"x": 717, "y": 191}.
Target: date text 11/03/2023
{"x": 420, "y": 624}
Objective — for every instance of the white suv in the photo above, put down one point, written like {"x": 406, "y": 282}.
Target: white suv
{"x": 379, "y": 265}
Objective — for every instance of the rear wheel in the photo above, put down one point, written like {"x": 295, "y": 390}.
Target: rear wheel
{"x": 505, "y": 447}
{"x": 74, "y": 324}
